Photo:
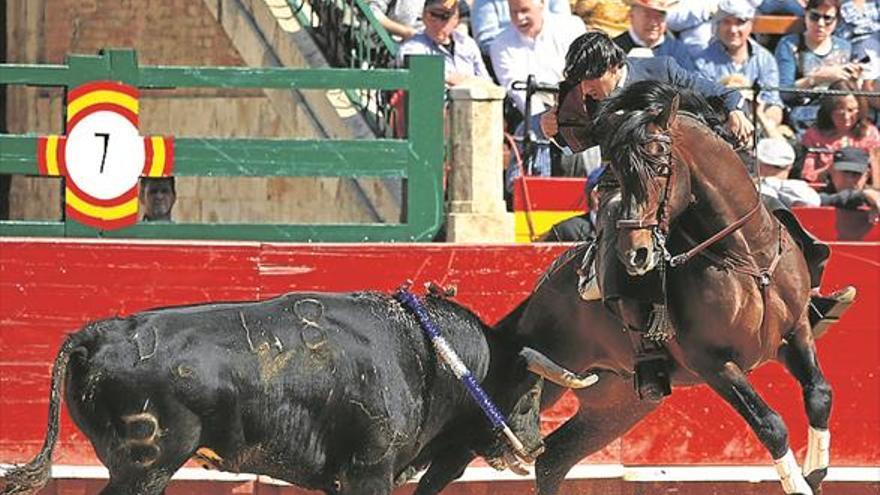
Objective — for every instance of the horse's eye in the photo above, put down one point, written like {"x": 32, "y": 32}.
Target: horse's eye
{"x": 655, "y": 148}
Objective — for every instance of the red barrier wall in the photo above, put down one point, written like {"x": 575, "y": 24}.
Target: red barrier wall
{"x": 50, "y": 287}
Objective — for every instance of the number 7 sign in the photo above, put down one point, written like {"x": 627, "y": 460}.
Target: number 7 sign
{"x": 103, "y": 155}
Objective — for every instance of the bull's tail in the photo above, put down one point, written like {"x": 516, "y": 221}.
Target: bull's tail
{"x": 34, "y": 475}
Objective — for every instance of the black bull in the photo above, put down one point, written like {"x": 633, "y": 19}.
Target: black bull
{"x": 335, "y": 392}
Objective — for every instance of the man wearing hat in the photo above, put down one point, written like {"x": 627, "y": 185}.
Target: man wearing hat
{"x": 847, "y": 182}
{"x": 733, "y": 51}
{"x": 462, "y": 59}
{"x": 775, "y": 159}
{"x": 648, "y": 34}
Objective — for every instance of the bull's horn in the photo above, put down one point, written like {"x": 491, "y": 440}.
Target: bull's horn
{"x": 541, "y": 365}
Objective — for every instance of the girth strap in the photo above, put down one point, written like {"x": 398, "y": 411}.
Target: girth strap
{"x": 752, "y": 269}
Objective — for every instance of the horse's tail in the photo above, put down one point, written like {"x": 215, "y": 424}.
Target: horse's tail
{"x": 32, "y": 476}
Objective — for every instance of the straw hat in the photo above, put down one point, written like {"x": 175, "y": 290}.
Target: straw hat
{"x": 662, "y": 5}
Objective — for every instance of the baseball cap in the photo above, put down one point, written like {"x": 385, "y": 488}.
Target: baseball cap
{"x": 775, "y": 152}
{"x": 741, "y": 9}
{"x": 851, "y": 160}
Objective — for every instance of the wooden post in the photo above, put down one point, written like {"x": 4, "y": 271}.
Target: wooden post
{"x": 476, "y": 188}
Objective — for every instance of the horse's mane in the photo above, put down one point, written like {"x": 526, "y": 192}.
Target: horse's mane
{"x": 622, "y": 122}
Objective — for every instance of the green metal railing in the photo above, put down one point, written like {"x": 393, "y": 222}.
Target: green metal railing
{"x": 418, "y": 160}
{"x": 350, "y": 36}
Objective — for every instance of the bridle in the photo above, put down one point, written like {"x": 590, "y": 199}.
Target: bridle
{"x": 661, "y": 165}
{"x": 660, "y": 328}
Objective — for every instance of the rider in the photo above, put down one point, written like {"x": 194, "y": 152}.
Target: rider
{"x": 595, "y": 69}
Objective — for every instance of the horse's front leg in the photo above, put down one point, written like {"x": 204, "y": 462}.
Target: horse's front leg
{"x": 799, "y": 356}
{"x": 731, "y": 383}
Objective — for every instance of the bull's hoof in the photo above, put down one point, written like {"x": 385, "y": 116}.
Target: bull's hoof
{"x": 815, "y": 478}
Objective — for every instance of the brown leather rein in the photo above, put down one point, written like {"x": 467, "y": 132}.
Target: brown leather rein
{"x": 680, "y": 259}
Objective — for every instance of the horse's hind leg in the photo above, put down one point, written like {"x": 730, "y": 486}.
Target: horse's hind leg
{"x": 730, "y": 382}
{"x": 607, "y": 410}
{"x": 799, "y": 356}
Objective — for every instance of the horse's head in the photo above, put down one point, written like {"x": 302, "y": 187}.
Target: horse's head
{"x": 655, "y": 185}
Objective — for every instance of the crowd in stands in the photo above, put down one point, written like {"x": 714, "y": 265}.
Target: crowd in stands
{"x": 835, "y": 45}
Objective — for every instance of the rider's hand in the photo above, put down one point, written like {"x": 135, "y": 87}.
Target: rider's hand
{"x": 740, "y": 126}
{"x": 549, "y": 124}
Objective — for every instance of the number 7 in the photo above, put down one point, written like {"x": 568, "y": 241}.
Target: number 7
{"x": 106, "y": 142}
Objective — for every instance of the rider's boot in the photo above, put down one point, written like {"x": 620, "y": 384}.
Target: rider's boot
{"x": 652, "y": 372}
{"x": 651, "y": 362}
{"x": 827, "y": 310}
{"x": 824, "y": 310}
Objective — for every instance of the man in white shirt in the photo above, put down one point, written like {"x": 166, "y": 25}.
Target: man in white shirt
{"x": 775, "y": 159}
{"x": 535, "y": 42}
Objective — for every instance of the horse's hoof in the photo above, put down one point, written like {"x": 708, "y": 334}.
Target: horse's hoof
{"x": 814, "y": 479}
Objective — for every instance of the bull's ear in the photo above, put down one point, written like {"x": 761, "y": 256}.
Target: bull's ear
{"x": 667, "y": 116}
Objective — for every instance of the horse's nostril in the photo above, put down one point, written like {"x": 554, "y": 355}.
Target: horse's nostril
{"x": 640, "y": 256}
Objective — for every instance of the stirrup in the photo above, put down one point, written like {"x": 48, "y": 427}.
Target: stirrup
{"x": 651, "y": 378}
{"x": 826, "y": 311}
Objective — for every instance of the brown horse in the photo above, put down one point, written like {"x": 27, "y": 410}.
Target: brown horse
{"x": 737, "y": 295}
{"x": 733, "y": 303}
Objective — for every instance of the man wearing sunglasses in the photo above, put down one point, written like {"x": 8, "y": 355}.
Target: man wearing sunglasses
{"x": 463, "y": 61}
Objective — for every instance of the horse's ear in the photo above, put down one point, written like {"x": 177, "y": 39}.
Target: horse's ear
{"x": 667, "y": 116}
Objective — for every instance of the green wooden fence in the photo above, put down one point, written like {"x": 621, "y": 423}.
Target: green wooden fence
{"x": 418, "y": 160}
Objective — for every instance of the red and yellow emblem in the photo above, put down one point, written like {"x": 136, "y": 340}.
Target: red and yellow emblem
{"x": 103, "y": 155}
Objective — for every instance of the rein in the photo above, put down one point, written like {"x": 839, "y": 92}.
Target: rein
{"x": 680, "y": 259}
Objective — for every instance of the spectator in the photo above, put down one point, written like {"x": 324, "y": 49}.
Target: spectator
{"x": 859, "y": 24}
{"x": 691, "y": 20}
{"x": 782, "y": 7}
{"x": 399, "y": 17}
{"x": 582, "y": 227}
{"x": 842, "y": 122}
{"x": 610, "y": 16}
{"x": 775, "y": 160}
{"x": 157, "y": 196}
{"x": 846, "y": 185}
{"x": 734, "y": 52}
{"x": 812, "y": 60}
{"x": 534, "y": 43}
{"x": 647, "y": 29}
{"x": 460, "y": 53}
{"x": 490, "y": 17}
